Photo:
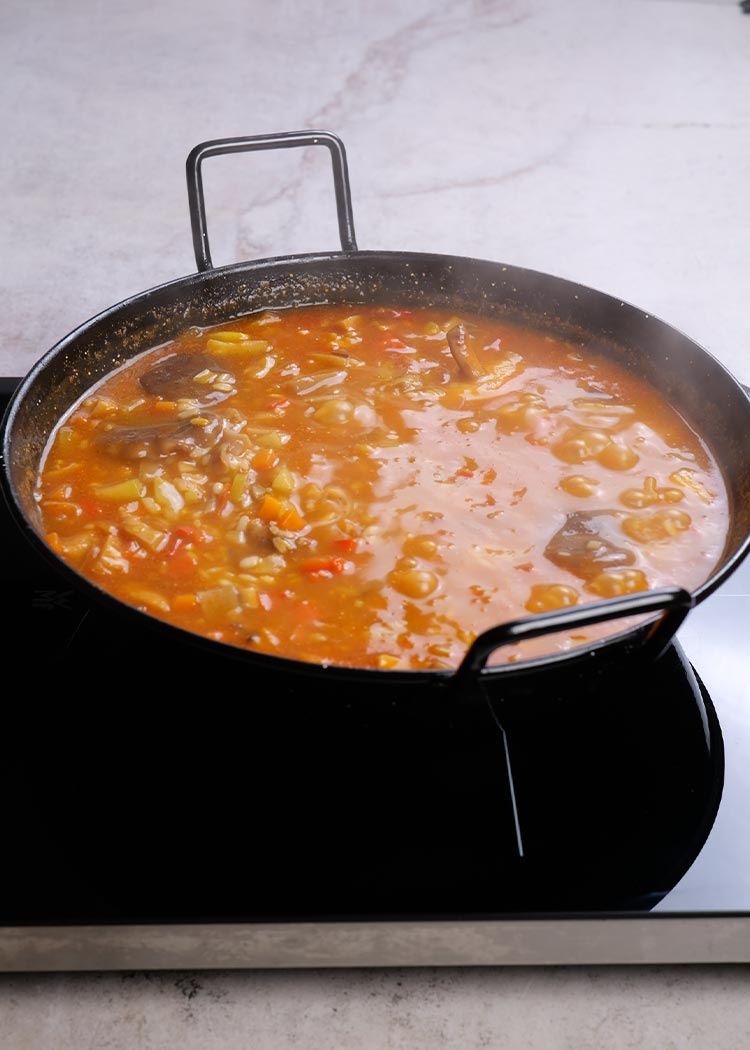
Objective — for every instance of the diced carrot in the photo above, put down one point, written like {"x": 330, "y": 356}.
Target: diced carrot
{"x": 291, "y": 520}
{"x": 286, "y": 515}
{"x": 264, "y": 459}
{"x": 271, "y": 508}
{"x": 347, "y": 544}
{"x": 184, "y": 602}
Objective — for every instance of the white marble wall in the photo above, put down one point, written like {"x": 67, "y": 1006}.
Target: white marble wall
{"x": 602, "y": 141}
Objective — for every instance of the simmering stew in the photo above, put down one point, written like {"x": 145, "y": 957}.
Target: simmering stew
{"x": 373, "y": 487}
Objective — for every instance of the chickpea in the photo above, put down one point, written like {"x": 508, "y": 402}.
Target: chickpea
{"x": 639, "y": 498}
{"x": 617, "y": 457}
{"x": 673, "y": 521}
{"x": 520, "y": 414}
{"x": 547, "y": 596}
{"x": 413, "y": 583}
{"x": 615, "y": 582}
{"x": 573, "y": 450}
{"x": 420, "y": 547}
{"x": 578, "y": 485}
{"x": 669, "y": 495}
{"x": 650, "y": 493}
{"x": 579, "y": 444}
{"x": 661, "y": 525}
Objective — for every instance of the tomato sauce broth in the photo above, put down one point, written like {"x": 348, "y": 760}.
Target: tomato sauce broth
{"x": 370, "y": 486}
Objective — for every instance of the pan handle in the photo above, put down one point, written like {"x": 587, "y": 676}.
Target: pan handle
{"x": 673, "y": 601}
{"x": 283, "y": 140}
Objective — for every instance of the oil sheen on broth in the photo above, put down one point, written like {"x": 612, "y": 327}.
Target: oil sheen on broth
{"x": 373, "y": 487}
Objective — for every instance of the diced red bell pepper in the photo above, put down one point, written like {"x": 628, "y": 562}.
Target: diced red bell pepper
{"x": 316, "y": 566}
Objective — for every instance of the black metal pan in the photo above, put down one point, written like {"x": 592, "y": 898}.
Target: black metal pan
{"x": 706, "y": 394}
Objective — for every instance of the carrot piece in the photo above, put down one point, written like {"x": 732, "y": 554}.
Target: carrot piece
{"x": 291, "y": 520}
{"x": 347, "y": 544}
{"x": 184, "y": 602}
{"x": 264, "y": 459}
{"x": 271, "y": 508}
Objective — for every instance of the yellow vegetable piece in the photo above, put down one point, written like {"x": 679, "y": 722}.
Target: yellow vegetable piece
{"x": 121, "y": 491}
{"x": 238, "y": 348}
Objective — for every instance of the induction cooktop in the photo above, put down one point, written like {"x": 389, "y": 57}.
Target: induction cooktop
{"x": 165, "y": 808}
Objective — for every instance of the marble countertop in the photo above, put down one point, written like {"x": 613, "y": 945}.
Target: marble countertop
{"x": 605, "y": 142}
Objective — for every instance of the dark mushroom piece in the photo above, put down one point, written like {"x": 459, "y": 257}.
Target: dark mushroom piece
{"x": 463, "y": 352}
{"x": 174, "y": 378}
{"x": 200, "y": 434}
{"x": 581, "y": 547}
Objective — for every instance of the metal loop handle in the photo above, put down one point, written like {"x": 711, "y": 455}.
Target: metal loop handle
{"x": 673, "y": 601}
{"x": 283, "y": 140}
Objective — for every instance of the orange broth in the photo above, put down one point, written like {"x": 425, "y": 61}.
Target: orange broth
{"x": 373, "y": 487}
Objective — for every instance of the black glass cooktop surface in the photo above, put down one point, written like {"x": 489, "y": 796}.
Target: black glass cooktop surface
{"x": 147, "y": 783}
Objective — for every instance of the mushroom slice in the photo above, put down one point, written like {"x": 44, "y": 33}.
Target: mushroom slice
{"x": 198, "y": 377}
{"x": 199, "y": 434}
{"x": 582, "y": 547}
{"x": 460, "y": 347}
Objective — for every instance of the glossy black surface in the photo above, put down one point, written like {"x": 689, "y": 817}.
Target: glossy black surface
{"x": 143, "y": 781}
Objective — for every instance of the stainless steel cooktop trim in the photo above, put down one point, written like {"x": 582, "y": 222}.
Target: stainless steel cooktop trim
{"x": 579, "y": 940}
